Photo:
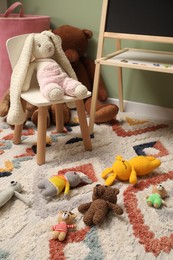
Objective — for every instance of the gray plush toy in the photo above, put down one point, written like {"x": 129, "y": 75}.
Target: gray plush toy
{"x": 57, "y": 183}
{"x": 14, "y": 190}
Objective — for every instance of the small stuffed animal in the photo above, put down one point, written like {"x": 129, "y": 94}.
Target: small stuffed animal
{"x": 57, "y": 183}
{"x": 65, "y": 222}
{"x": 129, "y": 170}
{"x": 157, "y": 196}
{"x": 104, "y": 199}
{"x": 42, "y": 53}
{"x": 14, "y": 190}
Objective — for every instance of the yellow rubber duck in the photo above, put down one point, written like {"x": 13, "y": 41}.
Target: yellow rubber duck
{"x": 129, "y": 170}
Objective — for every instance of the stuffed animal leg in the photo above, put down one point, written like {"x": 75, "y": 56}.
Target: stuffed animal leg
{"x": 5, "y": 104}
{"x": 111, "y": 178}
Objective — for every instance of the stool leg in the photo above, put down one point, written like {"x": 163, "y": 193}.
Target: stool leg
{"x": 83, "y": 125}
{"x": 18, "y": 128}
{"x": 17, "y": 134}
{"x": 59, "y": 118}
{"x": 41, "y": 135}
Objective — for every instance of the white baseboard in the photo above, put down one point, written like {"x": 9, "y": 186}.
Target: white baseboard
{"x": 150, "y": 111}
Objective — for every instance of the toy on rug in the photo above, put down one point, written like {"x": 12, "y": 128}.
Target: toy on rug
{"x": 129, "y": 170}
{"x": 104, "y": 199}
{"x": 42, "y": 53}
{"x": 65, "y": 221}
{"x": 14, "y": 190}
{"x": 157, "y": 196}
{"x": 57, "y": 183}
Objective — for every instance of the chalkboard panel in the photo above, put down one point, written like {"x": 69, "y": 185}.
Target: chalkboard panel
{"x": 144, "y": 17}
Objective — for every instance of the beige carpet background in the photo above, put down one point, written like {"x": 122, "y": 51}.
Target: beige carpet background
{"x": 140, "y": 233}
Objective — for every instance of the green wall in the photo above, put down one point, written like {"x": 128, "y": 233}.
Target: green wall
{"x": 139, "y": 86}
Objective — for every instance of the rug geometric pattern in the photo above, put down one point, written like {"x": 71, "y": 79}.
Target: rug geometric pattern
{"x": 142, "y": 232}
{"x": 147, "y": 148}
{"x": 142, "y": 127}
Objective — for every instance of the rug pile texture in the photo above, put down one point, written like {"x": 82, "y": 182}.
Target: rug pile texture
{"x": 142, "y": 232}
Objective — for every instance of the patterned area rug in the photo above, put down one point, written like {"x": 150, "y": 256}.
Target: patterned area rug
{"x": 142, "y": 232}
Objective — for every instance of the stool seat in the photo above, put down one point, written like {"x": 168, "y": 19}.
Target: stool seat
{"x": 34, "y": 97}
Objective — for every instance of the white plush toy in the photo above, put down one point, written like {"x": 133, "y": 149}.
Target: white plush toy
{"x": 13, "y": 190}
{"x": 42, "y": 53}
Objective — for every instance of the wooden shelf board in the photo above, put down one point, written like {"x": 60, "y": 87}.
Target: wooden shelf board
{"x": 140, "y": 59}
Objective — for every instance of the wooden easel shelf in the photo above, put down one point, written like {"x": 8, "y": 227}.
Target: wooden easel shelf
{"x": 120, "y": 20}
{"x": 140, "y": 59}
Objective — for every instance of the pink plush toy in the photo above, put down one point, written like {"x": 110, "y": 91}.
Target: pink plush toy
{"x": 52, "y": 79}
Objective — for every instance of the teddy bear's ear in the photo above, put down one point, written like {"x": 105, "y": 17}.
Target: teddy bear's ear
{"x": 88, "y": 33}
{"x": 73, "y": 216}
{"x": 116, "y": 191}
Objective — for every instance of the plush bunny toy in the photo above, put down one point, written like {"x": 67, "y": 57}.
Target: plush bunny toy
{"x": 13, "y": 190}
{"x": 42, "y": 53}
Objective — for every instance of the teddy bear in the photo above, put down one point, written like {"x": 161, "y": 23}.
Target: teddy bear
{"x": 129, "y": 170}
{"x": 104, "y": 199}
{"x": 43, "y": 55}
{"x": 55, "y": 184}
{"x": 65, "y": 221}
{"x": 156, "y": 198}
{"x": 74, "y": 43}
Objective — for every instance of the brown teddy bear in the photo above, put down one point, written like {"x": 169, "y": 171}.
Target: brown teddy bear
{"x": 74, "y": 43}
{"x": 65, "y": 221}
{"x": 104, "y": 198}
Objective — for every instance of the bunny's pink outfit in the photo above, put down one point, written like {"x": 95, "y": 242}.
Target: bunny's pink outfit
{"x": 52, "y": 73}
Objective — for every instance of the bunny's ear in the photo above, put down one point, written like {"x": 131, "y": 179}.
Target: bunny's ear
{"x": 60, "y": 56}
{"x": 16, "y": 114}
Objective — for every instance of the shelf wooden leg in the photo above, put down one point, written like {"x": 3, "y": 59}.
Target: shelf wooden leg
{"x": 59, "y": 118}
{"x": 120, "y": 90}
{"x": 120, "y": 80}
{"x": 83, "y": 125}
{"x": 41, "y": 135}
{"x": 94, "y": 98}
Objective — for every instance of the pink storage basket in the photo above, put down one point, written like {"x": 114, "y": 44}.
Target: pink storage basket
{"x": 12, "y": 25}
